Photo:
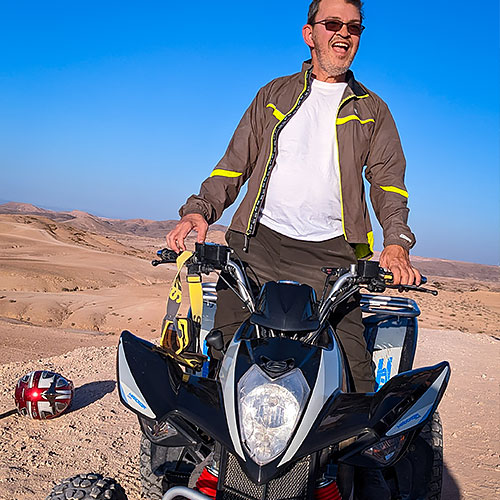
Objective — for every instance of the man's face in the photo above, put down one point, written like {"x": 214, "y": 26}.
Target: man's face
{"x": 332, "y": 52}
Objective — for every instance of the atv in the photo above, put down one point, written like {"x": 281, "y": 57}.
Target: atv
{"x": 275, "y": 418}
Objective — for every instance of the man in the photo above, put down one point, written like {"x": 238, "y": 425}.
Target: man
{"x": 302, "y": 145}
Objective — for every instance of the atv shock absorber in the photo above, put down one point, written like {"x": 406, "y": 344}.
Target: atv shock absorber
{"x": 327, "y": 489}
{"x": 207, "y": 482}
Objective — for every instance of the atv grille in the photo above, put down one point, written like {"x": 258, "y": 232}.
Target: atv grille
{"x": 291, "y": 485}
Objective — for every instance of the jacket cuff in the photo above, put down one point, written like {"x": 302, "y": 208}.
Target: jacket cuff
{"x": 194, "y": 208}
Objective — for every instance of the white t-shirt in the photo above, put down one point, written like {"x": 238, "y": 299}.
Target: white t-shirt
{"x": 303, "y": 196}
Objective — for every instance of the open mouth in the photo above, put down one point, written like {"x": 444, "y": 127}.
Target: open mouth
{"x": 340, "y": 47}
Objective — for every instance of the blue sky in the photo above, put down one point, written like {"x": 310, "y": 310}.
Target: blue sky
{"x": 123, "y": 108}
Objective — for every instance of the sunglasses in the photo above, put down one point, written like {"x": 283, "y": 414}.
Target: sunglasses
{"x": 335, "y": 25}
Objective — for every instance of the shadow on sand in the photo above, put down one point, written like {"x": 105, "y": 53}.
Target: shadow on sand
{"x": 90, "y": 393}
{"x": 451, "y": 490}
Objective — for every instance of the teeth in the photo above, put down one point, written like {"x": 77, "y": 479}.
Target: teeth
{"x": 342, "y": 45}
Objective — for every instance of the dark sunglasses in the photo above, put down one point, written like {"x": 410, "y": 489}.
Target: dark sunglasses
{"x": 335, "y": 25}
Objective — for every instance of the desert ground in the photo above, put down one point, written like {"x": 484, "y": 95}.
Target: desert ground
{"x": 70, "y": 282}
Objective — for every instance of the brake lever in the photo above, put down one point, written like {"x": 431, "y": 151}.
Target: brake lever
{"x": 407, "y": 288}
{"x": 376, "y": 286}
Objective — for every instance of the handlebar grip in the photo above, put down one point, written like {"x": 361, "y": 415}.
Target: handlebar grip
{"x": 166, "y": 256}
{"x": 388, "y": 276}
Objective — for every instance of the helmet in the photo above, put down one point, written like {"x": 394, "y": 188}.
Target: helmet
{"x": 42, "y": 394}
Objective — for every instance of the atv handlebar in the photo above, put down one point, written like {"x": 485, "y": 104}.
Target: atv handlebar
{"x": 209, "y": 257}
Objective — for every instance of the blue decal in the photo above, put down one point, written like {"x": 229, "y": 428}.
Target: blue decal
{"x": 204, "y": 370}
{"x": 137, "y": 400}
{"x": 383, "y": 374}
{"x": 408, "y": 420}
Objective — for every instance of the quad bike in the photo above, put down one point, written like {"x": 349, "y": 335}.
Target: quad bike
{"x": 275, "y": 418}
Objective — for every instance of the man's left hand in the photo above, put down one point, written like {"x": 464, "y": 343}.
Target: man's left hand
{"x": 397, "y": 260}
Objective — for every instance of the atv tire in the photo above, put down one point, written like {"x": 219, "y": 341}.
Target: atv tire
{"x": 432, "y": 434}
{"x": 151, "y": 484}
{"x": 87, "y": 487}
{"x": 418, "y": 475}
{"x": 170, "y": 468}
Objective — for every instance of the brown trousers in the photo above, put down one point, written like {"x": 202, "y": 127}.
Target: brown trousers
{"x": 272, "y": 257}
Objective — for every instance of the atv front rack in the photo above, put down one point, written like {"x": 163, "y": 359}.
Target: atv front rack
{"x": 370, "y": 304}
{"x": 384, "y": 304}
{"x": 209, "y": 292}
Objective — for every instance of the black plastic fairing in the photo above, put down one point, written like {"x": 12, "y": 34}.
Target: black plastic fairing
{"x": 353, "y": 415}
{"x": 368, "y": 417}
{"x": 286, "y": 307}
{"x": 398, "y": 395}
{"x": 168, "y": 391}
{"x": 292, "y": 353}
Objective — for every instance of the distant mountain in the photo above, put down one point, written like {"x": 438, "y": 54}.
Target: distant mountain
{"x": 78, "y": 219}
{"x": 83, "y": 220}
{"x": 21, "y": 208}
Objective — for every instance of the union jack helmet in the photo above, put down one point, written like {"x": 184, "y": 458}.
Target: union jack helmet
{"x": 43, "y": 394}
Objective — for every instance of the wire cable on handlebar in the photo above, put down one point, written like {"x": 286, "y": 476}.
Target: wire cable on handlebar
{"x": 247, "y": 283}
{"x": 232, "y": 288}
{"x": 346, "y": 295}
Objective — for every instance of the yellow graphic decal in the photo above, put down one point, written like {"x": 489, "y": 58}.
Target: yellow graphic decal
{"x": 182, "y": 334}
{"x": 277, "y": 113}
{"x": 341, "y": 121}
{"x": 175, "y": 293}
{"x": 224, "y": 173}
{"x": 394, "y": 189}
{"x": 195, "y": 297}
{"x": 370, "y": 240}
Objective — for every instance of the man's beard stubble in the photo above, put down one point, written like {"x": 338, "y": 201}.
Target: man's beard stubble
{"x": 328, "y": 67}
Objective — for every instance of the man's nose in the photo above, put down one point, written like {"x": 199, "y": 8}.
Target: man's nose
{"x": 344, "y": 31}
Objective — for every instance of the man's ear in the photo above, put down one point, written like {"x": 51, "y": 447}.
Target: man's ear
{"x": 307, "y": 35}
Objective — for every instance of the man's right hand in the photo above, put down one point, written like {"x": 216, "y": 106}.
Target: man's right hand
{"x": 176, "y": 237}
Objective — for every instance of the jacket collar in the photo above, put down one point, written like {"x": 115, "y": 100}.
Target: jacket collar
{"x": 353, "y": 87}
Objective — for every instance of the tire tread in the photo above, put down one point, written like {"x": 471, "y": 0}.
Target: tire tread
{"x": 87, "y": 486}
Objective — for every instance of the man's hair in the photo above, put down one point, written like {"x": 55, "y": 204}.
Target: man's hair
{"x": 313, "y": 9}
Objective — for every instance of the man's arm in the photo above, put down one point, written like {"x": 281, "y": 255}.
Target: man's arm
{"x": 220, "y": 190}
{"x": 385, "y": 170}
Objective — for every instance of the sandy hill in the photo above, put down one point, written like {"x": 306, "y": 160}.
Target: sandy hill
{"x": 21, "y": 208}
{"x": 78, "y": 274}
{"x": 74, "y": 269}
{"x": 82, "y": 220}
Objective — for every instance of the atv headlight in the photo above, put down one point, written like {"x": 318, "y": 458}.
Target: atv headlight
{"x": 269, "y": 410}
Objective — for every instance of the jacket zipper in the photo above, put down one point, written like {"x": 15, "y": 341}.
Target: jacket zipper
{"x": 347, "y": 99}
{"x": 274, "y": 147}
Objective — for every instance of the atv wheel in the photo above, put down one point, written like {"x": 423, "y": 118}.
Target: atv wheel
{"x": 88, "y": 486}
{"x": 432, "y": 434}
{"x": 161, "y": 468}
{"x": 419, "y": 473}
